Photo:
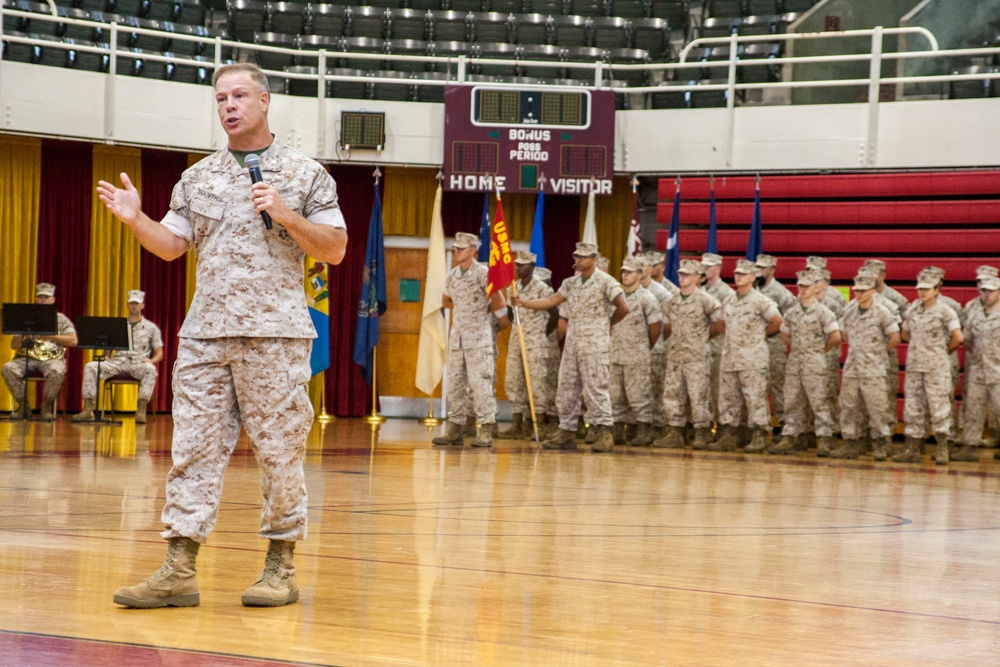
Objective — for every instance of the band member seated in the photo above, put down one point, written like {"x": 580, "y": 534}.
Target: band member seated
{"x": 139, "y": 362}
{"x": 42, "y": 354}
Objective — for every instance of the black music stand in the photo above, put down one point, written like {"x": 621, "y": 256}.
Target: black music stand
{"x": 102, "y": 334}
{"x": 27, "y": 320}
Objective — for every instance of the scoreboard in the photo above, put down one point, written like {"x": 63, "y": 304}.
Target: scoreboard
{"x": 553, "y": 139}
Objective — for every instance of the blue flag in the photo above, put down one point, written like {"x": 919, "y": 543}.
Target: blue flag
{"x": 713, "y": 244}
{"x": 537, "y": 235}
{"x": 372, "y": 302}
{"x": 673, "y": 260}
{"x": 484, "y": 231}
{"x": 755, "y": 245}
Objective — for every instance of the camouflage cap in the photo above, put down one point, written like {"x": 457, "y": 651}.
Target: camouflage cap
{"x": 525, "y": 257}
{"x": 875, "y": 265}
{"x": 543, "y": 274}
{"x": 815, "y": 262}
{"x": 986, "y": 271}
{"x": 927, "y": 280}
{"x": 691, "y": 266}
{"x": 45, "y": 289}
{"x": 585, "y": 250}
{"x": 805, "y": 278}
{"x": 991, "y": 283}
{"x": 631, "y": 264}
{"x": 711, "y": 259}
{"x": 745, "y": 266}
{"x": 865, "y": 280}
{"x": 136, "y": 296}
{"x": 465, "y": 240}
{"x": 823, "y": 274}
{"x": 656, "y": 257}
{"x": 934, "y": 270}
{"x": 603, "y": 262}
{"x": 766, "y": 261}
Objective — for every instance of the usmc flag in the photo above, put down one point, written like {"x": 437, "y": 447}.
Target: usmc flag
{"x": 501, "y": 267}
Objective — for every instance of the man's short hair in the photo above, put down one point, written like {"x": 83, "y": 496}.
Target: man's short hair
{"x": 248, "y": 68}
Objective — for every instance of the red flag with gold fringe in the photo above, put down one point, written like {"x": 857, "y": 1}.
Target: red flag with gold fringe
{"x": 501, "y": 267}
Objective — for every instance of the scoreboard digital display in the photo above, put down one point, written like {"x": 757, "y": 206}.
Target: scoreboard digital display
{"x": 560, "y": 140}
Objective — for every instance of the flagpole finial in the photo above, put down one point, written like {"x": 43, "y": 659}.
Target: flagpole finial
{"x": 677, "y": 183}
{"x": 439, "y": 177}
{"x": 757, "y": 181}
{"x": 541, "y": 182}
{"x": 377, "y": 174}
{"x": 711, "y": 180}
{"x": 635, "y": 183}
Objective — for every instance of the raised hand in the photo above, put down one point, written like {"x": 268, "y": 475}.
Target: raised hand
{"x": 123, "y": 202}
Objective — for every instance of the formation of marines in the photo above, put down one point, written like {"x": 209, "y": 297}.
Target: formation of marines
{"x": 757, "y": 368}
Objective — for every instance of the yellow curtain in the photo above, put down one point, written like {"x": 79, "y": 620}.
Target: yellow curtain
{"x": 613, "y": 215}
{"x": 114, "y": 251}
{"x": 20, "y": 181}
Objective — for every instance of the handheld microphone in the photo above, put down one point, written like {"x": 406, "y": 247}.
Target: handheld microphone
{"x": 253, "y": 165}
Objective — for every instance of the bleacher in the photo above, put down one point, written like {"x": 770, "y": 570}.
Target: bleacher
{"x": 560, "y": 32}
{"x": 911, "y": 220}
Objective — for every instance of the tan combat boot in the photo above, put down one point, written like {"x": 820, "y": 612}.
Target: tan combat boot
{"x": 48, "y": 409}
{"x": 603, "y": 443}
{"x": 966, "y": 453}
{"x": 173, "y": 585}
{"x": 643, "y": 435}
{"x": 85, "y": 415}
{"x": 617, "y": 434}
{"x": 941, "y": 455}
{"x": 700, "y": 438}
{"x": 785, "y": 444}
{"x": 19, "y": 411}
{"x": 672, "y": 439}
{"x": 851, "y": 449}
{"x": 761, "y": 439}
{"x": 516, "y": 430}
{"x": 727, "y": 440}
{"x": 140, "y": 411}
{"x": 484, "y": 436}
{"x": 881, "y": 452}
{"x": 470, "y": 426}
{"x": 276, "y": 586}
{"x": 452, "y": 435}
{"x": 824, "y": 445}
{"x": 910, "y": 453}
{"x": 561, "y": 439}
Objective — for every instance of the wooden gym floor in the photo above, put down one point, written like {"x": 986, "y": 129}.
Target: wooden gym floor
{"x": 422, "y": 556}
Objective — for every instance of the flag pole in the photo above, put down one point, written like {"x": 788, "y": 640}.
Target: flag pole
{"x": 430, "y": 419}
{"x": 324, "y": 417}
{"x": 374, "y": 417}
{"x": 524, "y": 361}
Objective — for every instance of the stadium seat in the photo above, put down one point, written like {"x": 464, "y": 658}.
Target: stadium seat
{"x": 535, "y": 29}
{"x": 285, "y": 17}
{"x": 407, "y": 47}
{"x": 274, "y": 61}
{"x": 244, "y": 18}
{"x": 972, "y": 88}
{"x": 407, "y": 24}
{"x": 450, "y": 26}
{"x": 612, "y": 32}
{"x": 573, "y": 31}
{"x": 326, "y": 20}
{"x": 364, "y": 22}
{"x": 652, "y": 35}
{"x": 492, "y": 27}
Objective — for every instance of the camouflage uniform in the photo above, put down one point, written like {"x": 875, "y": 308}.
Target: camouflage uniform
{"x": 689, "y": 358}
{"x": 536, "y": 343}
{"x": 928, "y": 369}
{"x": 862, "y": 389}
{"x": 836, "y": 302}
{"x": 777, "y": 353}
{"x": 243, "y": 355}
{"x": 53, "y": 370}
{"x": 630, "y": 385}
{"x": 807, "y": 369}
{"x": 146, "y": 338}
{"x": 658, "y": 356}
{"x": 719, "y": 291}
{"x": 982, "y": 377}
{"x": 584, "y": 370}
{"x": 892, "y": 368}
{"x": 471, "y": 348}
{"x": 743, "y": 369}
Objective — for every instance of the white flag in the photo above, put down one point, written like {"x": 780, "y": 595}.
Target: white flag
{"x": 433, "y": 343}
{"x": 633, "y": 246}
{"x": 589, "y": 226}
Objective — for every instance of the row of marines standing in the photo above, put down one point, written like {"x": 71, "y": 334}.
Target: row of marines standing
{"x": 647, "y": 362}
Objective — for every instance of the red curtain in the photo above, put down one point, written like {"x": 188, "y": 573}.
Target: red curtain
{"x": 562, "y": 231}
{"x": 347, "y": 395}
{"x": 66, "y": 195}
{"x": 163, "y": 282}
